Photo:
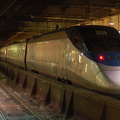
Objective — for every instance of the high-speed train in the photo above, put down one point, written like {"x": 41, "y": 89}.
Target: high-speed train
{"x": 88, "y": 56}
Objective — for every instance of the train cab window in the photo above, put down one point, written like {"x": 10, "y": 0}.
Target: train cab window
{"x": 102, "y": 44}
{"x": 75, "y": 41}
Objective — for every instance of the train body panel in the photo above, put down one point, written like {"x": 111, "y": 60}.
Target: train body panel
{"x": 16, "y": 54}
{"x": 74, "y": 65}
{"x": 60, "y": 58}
{"x": 90, "y": 69}
{"x": 85, "y": 55}
{"x": 50, "y": 56}
{"x": 3, "y": 53}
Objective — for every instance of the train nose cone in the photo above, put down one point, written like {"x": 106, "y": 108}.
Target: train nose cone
{"x": 110, "y": 77}
{"x": 109, "y": 81}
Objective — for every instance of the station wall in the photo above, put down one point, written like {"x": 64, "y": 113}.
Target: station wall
{"x": 113, "y": 21}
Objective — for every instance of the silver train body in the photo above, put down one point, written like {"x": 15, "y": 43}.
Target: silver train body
{"x": 88, "y": 56}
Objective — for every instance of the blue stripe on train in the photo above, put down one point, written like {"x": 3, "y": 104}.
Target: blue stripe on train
{"x": 111, "y": 58}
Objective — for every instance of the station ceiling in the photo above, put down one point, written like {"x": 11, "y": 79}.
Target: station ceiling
{"x": 20, "y": 19}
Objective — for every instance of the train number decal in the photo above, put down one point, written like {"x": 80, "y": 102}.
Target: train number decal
{"x": 100, "y": 32}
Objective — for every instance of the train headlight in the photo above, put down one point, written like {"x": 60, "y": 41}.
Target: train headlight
{"x": 101, "y": 57}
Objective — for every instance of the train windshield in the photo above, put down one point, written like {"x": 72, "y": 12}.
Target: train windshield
{"x": 102, "y": 44}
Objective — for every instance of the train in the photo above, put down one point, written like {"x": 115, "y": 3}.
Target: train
{"x": 87, "y": 56}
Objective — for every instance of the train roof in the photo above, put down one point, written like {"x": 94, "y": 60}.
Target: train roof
{"x": 88, "y": 30}
{"x": 98, "y": 30}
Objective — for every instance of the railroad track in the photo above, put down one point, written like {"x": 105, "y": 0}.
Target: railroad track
{"x": 32, "y": 110}
{"x": 3, "y": 116}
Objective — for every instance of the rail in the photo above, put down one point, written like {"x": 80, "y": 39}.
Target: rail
{"x": 22, "y": 102}
{"x": 3, "y": 116}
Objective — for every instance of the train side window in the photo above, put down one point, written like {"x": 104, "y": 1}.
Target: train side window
{"x": 78, "y": 43}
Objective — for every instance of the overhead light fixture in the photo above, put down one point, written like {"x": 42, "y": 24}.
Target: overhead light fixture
{"x": 111, "y": 23}
{"x": 111, "y": 20}
{"x": 56, "y": 18}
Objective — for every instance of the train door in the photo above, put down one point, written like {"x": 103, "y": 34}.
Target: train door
{"x": 63, "y": 60}
{"x": 30, "y": 56}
